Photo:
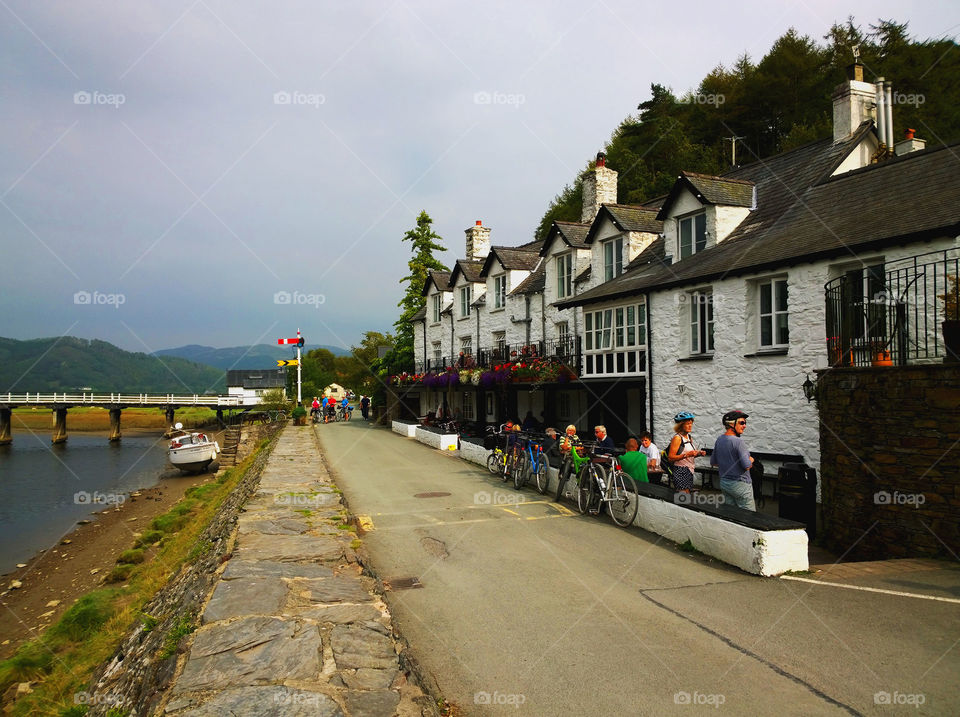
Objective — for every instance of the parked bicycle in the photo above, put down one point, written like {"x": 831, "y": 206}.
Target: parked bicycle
{"x": 533, "y": 464}
{"x": 572, "y": 466}
{"x": 497, "y": 460}
{"x": 610, "y": 487}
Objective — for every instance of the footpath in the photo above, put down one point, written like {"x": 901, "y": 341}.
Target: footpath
{"x": 293, "y": 626}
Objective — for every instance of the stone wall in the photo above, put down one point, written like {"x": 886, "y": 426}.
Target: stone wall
{"x": 890, "y": 461}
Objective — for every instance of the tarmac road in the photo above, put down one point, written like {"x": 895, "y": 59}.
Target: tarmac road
{"x": 529, "y": 608}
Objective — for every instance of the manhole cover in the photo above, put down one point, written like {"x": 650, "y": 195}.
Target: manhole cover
{"x": 432, "y": 494}
{"x": 402, "y": 584}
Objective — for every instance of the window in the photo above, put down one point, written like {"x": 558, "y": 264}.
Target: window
{"x": 693, "y": 234}
{"x": 468, "y": 405}
{"x": 500, "y": 345}
{"x": 774, "y": 328}
{"x": 564, "y": 276}
{"x": 615, "y": 340}
{"x": 563, "y": 330}
{"x": 436, "y": 352}
{"x": 701, "y": 321}
{"x": 612, "y": 259}
{"x": 466, "y": 297}
{"x": 466, "y": 345}
{"x": 437, "y": 305}
{"x": 564, "y": 411}
{"x": 500, "y": 291}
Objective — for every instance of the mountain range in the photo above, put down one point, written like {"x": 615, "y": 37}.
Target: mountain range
{"x": 236, "y": 357}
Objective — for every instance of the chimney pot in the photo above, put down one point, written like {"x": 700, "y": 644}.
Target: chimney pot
{"x": 479, "y": 222}
{"x": 909, "y": 134}
{"x": 855, "y": 72}
{"x": 601, "y": 159}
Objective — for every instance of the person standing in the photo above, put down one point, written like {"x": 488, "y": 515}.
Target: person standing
{"x": 682, "y": 451}
{"x": 365, "y": 407}
{"x": 733, "y": 462}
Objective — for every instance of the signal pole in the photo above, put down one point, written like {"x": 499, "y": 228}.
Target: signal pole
{"x": 733, "y": 148}
{"x": 299, "y": 344}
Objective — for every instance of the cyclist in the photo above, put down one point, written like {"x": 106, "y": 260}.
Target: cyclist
{"x": 331, "y": 410}
{"x": 682, "y": 451}
{"x": 314, "y": 407}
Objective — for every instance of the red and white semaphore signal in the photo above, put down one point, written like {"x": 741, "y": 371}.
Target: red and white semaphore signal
{"x": 298, "y": 342}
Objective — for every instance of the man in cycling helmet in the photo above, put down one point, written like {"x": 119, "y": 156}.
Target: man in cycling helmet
{"x": 733, "y": 461}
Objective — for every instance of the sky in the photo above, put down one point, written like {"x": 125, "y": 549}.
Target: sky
{"x": 224, "y": 173}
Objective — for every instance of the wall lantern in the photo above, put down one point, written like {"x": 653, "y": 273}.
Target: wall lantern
{"x": 809, "y": 389}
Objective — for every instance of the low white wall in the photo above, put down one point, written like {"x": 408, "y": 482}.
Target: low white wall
{"x": 441, "y": 441}
{"x": 404, "y": 429}
{"x": 474, "y": 453}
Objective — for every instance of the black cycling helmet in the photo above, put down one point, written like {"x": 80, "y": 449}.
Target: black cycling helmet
{"x": 730, "y": 417}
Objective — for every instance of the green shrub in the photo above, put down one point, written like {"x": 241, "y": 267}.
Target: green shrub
{"x": 181, "y": 628}
{"x": 131, "y": 556}
{"x": 119, "y": 573}
{"x": 30, "y": 662}
{"x": 148, "y": 538}
{"x": 86, "y": 616}
{"x": 169, "y": 522}
{"x": 201, "y": 492}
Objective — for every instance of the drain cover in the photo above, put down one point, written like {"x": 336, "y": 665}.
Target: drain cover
{"x": 432, "y": 494}
{"x": 402, "y": 583}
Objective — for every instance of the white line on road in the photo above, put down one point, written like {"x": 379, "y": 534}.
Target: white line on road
{"x": 871, "y": 590}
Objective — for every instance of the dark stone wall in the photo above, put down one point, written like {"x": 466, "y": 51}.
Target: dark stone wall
{"x": 890, "y": 461}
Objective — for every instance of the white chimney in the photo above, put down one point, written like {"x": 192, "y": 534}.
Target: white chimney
{"x": 478, "y": 242}
{"x": 599, "y": 187}
{"x": 853, "y": 103}
{"x": 882, "y": 114}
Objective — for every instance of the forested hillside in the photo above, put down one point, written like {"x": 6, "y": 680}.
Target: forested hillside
{"x": 781, "y": 102}
{"x": 67, "y": 364}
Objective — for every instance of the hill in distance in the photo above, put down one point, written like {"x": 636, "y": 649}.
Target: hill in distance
{"x": 67, "y": 363}
{"x": 239, "y": 357}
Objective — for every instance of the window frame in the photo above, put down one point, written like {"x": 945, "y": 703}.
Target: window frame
{"x": 701, "y": 322}
{"x": 500, "y": 291}
{"x": 466, "y": 345}
{"x": 466, "y": 298}
{"x": 770, "y": 317}
{"x": 615, "y": 340}
{"x": 697, "y": 241}
{"x": 564, "y": 266}
{"x": 612, "y": 265}
{"x": 437, "y": 307}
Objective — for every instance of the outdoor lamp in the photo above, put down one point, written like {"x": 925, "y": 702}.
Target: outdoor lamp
{"x": 809, "y": 389}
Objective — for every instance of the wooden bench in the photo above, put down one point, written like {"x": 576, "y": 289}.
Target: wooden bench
{"x": 708, "y": 473}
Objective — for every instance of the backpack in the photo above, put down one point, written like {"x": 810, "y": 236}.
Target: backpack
{"x": 756, "y": 479}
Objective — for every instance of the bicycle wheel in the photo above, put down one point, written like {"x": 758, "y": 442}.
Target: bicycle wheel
{"x": 520, "y": 471}
{"x": 493, "y": 462}
{"x": 543, "y": 475}
{"x": 507, "y": 472}
{"x": 622, "y": 499}
{"x": 586, "y": 488}
{"x": 563, "y": 475}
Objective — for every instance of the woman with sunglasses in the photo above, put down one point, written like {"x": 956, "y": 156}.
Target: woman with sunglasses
{"x": 733, "y": 462}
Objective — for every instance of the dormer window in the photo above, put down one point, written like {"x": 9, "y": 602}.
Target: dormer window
{"x": 692, "y": 234}
{"x": 466, "y": 297}
{"x": 437, "y": 305}
{"x": 612, "y": 259}
{"x": 500, "y": 291}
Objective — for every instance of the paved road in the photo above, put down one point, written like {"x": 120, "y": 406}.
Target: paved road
{"x": 525, "y": 604}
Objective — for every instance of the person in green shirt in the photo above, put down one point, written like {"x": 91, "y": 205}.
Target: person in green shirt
{"x": 633, "y": 462}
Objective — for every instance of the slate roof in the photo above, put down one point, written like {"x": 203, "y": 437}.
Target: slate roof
{"x": 420, "y": 315}
{"x": 803, "y": 214}
{"x": 511, "y": 258}
{"x": 470, "y": 270}
{"x": 440, "y": 278}
{"x": 572, "y": 234}
{"x": 533, "y": 284}
{"x": 626, "y": 218}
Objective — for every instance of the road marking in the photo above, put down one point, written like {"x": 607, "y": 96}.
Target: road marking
{"x": 365, "y": 523}
{"x": 563, "y": 509}
{"x": 871, "y": 590}
{"x": 511, "y": 512}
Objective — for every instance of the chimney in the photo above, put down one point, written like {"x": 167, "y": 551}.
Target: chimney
{"x": 478, "y": 242}
{"x": 909, "y": 144}
{"x": 853, "y": 102}
{"x": 599, "y": 187}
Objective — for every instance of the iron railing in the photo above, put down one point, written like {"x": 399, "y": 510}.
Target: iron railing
{"x": 892, "y": 314}
{"x": 566, "y": 351}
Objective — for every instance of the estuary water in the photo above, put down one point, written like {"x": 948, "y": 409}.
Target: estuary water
{"x": 47, "y": 488}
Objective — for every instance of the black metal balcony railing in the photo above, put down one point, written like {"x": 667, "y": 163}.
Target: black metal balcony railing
{"x": 892, "y": 314}
{"x": 567, "y": 351}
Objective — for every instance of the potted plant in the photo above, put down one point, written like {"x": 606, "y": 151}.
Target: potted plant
{"x": 951, "y": 320}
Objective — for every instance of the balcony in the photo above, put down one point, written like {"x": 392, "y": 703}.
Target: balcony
{"x": 566, "y": 351}
{"x": 894, "y": 314}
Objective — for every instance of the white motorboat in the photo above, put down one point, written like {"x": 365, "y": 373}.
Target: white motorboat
{"x": 191, "y": 451}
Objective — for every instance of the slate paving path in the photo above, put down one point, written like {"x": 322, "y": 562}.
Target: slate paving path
{"x": 292, "y": 626}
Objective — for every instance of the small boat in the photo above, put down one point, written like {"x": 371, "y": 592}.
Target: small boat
{"x": 191, "y": 452}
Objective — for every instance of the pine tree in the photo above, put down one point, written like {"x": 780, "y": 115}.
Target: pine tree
{"x": 424, "y": 242}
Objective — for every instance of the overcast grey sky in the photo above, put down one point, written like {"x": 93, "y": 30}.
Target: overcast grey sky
{"x": 169, "y": 169}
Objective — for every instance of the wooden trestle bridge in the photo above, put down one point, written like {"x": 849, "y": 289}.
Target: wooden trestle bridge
{"x": 59, "y": 403}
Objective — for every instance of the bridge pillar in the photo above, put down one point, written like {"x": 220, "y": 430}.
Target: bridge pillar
{"x": 5, "y": 436}
{"x": 114, "y": 424}
{"x": 220, "y": 417}
{"x": 170, "y": 413}
{"x": 59, "y": 426}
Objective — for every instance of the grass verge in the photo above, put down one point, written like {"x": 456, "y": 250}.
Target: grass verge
{"x": 65, "y": 657}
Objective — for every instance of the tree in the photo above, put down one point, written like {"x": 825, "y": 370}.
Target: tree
{"x": 424, "y": 242}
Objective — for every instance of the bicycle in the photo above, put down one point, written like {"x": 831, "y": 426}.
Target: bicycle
{"x": 572, "y": 465}
{"x": 616, "y": 490}
{"x": 514, "y": 457}
{"x": 534, "y": 465}
{"x": 496, "y": 461}
{"x": 591, "y": 475}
